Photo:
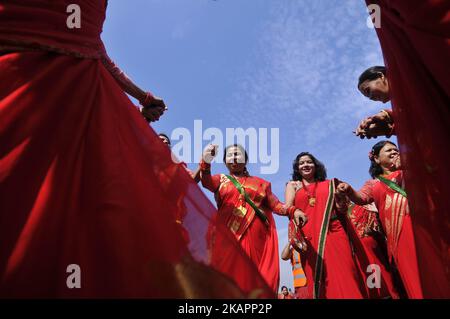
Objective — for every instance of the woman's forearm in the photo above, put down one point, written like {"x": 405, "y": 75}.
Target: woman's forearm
{"x": 210, "y": 182}
{"x": 358, "y": 198}
{"x": 286, "y": 253}
{"x": 124, "y": 81}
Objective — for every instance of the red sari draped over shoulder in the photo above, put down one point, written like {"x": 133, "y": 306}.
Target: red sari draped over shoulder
{"x": 257, "y": 239}
{"x": 415, "y": 40}
{"x": 85, "y": 181}
{"x": 330, "y": 268}
{"x": 369, "y": 244}
{"x": 396, "y": 220}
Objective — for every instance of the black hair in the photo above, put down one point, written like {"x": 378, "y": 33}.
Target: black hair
{"x": 376, "y": 169}
{"x": 371, "y": 73}
{"x": 320, "y": 173}
{"x": 239, "y": 147}
{"x": 284, "y": 287}
{"x": 166, "y": 137}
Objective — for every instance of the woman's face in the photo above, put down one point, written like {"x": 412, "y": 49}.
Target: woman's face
{"x": 386, "y": 158}
{"x": 235, "y": 160}
{"x": 164, "y": 140}
{"x": 376, "y": 90}
{"x": 306, "y": 167}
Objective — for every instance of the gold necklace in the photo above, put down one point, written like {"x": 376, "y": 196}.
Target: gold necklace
{"x": 311, "y": 197}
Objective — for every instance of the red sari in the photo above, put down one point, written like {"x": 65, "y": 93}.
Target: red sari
{"x": 84, "y": 180}
{"x": 257, "y": 239}
{"x": 328, "y": 263}
{"x": 415, "y": 40}
{"x": 395, "y": 217}
{"x": 369, "y": 244}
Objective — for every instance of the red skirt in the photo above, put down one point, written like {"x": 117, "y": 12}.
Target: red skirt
{"x": 84, "y": 181}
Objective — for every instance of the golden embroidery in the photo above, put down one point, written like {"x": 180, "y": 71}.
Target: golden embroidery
{"x": 240, "y": 211}
{"x": 235, "y": 226}
{"x": 394, "y": 221}
{"x": 388, "y": 202}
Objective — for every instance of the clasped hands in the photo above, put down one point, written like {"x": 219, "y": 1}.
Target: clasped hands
{"x": 154, "y": 109}
{"x": 375, "y": 125}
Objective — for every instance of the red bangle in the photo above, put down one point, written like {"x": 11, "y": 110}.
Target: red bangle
{"x": 147, "y": 100}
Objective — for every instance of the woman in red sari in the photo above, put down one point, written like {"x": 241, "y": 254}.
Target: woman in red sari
{"x": 88, "y": 195}
{"x": 369, "y": 244}
{"x": 415, "y": 41}
{"x": 251, "y": 222}
{"x": 329, "y": 266}
{"x": 386, "y": 191}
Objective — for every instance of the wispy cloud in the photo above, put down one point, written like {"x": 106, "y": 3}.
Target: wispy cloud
{"x": 310, "y": 55}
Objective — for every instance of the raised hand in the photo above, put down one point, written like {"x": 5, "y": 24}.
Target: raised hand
{"x": 343, "y": 189}
{"x": 209, "y": 153}
{"x": 397, "y": 162}
{"x": 375, "y": 125}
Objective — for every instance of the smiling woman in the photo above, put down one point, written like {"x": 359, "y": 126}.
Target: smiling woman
{"x": 245, "y": 205}
{"x": 328, "y": 263}
{"x": 386, "y": 190}
{"x": 374, "y": 84}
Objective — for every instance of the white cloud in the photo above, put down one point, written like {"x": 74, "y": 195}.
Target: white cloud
{"x": 303, "y": 77}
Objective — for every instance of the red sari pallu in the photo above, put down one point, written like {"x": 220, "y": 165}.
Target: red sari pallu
{"x": 328, "y": 263}
{"x": 257, "y": 239}
{"x": 415, "y": 40}
{"x": 369, "y": 244}
{"x": 85, "y": 181}
{"x": 396, "y": 220}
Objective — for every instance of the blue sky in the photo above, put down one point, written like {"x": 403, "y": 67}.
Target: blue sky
{"x": 286, "y": 64}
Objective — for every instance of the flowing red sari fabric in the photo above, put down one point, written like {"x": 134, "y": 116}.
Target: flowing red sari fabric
{"x": 340, "y": 278}
{"x": 415, "y": 40}
{"x": 84, "y": 180}
{"x": 396, "y": 219}
{"x": 258, "y": 240}
{"x": 369, "y": 245}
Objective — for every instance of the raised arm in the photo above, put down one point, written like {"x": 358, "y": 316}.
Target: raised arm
{"x": 153, "y": 107}
{"x": 287, "y": 252}
{"x": 210, "y": 182}
{"x": 196, "y": 175}
{"x": 363, "y": 197}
